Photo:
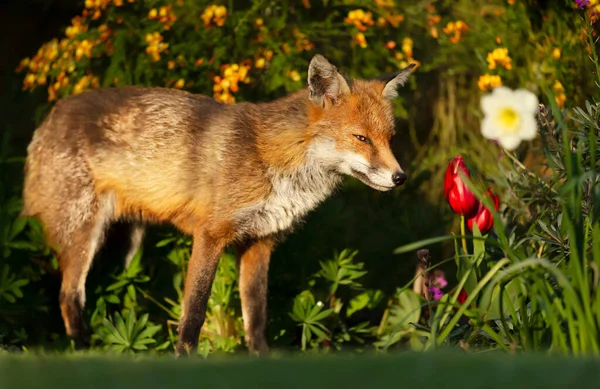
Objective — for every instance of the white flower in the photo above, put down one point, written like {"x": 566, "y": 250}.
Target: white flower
{"x": 509, "y": 116}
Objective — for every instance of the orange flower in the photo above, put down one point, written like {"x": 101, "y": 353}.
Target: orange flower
{"x": 360, "y": 19}
{"x": 260, "y": 63}
{"x": 155, "y": 45}
{"x": 294, "y": 75}
{"x": 228, "y": 82}
{"x": 214, "y": 14}
{"x": 499, "y": 57}
{"x": 488, "y": 81}
{"x": 360, "y": 39}
{"x": 456, "y": 29}
{"x": 407, "y": 47}
{"x": 556, "y": 53}
{"x": 84, "y": 49}
{"x": 179, "y": 84}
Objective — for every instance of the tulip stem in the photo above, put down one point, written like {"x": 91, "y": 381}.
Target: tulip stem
{"x": 462, "y": 234}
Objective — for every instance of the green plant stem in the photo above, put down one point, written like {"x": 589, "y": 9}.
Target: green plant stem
{"x": 444, "y": 334}
{"x": 462, "y": 233}
{"x": 594, "y": 55}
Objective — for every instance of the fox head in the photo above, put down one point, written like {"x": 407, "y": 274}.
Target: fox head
{"x": 353, "y": 123}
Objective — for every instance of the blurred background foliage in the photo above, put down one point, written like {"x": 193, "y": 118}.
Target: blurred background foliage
{"x": 256, "y": 50}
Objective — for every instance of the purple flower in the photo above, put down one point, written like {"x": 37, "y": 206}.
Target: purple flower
{"x": 582, "y": 3}
{"x": 441, "y": 282}
{"x": 436, "y": 292}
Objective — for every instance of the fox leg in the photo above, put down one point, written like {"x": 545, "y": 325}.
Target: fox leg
{"x": 75, "y": 260}
{"x": 206, "y": 251}
{"x": 254, "y": 268}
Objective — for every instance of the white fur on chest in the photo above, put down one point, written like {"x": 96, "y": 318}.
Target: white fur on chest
{"x": 293, "y": 195}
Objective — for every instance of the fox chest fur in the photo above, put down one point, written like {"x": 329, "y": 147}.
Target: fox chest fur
{"x": 291, "y": 197}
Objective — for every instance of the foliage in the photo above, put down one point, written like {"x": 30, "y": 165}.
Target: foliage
{"x": 538, "y": 288}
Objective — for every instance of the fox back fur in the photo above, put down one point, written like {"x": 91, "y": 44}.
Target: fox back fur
{"x": 239, "y": 174}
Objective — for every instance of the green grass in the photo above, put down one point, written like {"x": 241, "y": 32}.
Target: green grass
{"x": 407, "y": 370}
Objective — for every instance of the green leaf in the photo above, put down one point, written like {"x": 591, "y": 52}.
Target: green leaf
{"x": 321, "y": 315}
{"x": 17, "y": 227}
{"x": 317, "y": 331}
{"x": 113, "y": 299}
{"x": 149, "y": 332}
{"x": 512, "y": 292}
{"x": 117, "y": 285}
{"x": 164, "y": 242}
{"x": 130, "y": 324}
{"x": 422, "y": 243}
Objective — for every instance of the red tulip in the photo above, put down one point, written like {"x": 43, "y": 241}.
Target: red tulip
{"x": 462, "y": 297}
{"x": 483, "y": 217}
{"x": 460, "y": 198}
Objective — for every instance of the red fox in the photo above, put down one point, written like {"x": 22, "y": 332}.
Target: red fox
{"x": 237, "y": 175}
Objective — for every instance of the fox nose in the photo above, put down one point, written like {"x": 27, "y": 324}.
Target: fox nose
{"x": 399, "y": 178}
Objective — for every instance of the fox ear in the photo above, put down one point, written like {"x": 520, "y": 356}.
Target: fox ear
{"x": 394, "y": 80}
{"x": 326, "y": 86}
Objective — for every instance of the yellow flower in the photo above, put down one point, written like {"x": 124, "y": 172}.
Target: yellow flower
{"x": 260, "y": 63}
{"x": 155, "y": 45}
{"x": 51, "y": 94}
{"x": 407, "y": 47}
{"x": 361, "y": 40}
{"x": 558, "y": 87}
{"x": 488, "y": 81}
{"x": 556, "y": 53}
{"x": 81, "y": 85}
{"x": 259, "y": 22}
{"x": 153, "y": 13}
{"x": 24, "y": 64}
{"x": 29, "y": 79}
{"x": 84, "y": 49}
{"x": 220, "y": 12}
{"x": 214, "y": 14}
{"x": 360, "y": 19}
{"x": 179, "y": 84}
{"x": 434, "y": 32}
{"x": 171, "y": 65}
{"x": 294, "y": 75}
{"x": 456, "y": 29}
{"x": 499, "y": 57}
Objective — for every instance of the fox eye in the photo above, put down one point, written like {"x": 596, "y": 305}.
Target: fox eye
{"x": 362, "y": 139}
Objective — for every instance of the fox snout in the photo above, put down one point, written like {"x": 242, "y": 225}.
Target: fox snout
{"x": 399, "y": 178}
{"x": 384, "y": 179}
